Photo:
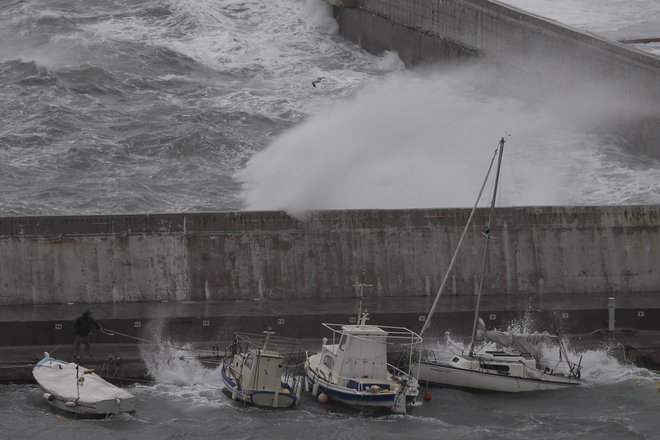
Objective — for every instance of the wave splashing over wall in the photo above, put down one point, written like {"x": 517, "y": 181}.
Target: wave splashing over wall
{"x": 422, "y": 139}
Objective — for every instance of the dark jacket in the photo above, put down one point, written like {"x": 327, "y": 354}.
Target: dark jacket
{"x": 83, "y": 324}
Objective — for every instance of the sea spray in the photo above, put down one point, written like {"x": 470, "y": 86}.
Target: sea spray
{"x": 179, "y": 373}
{"x": 423, "y": 138}
{"x": 599, "y": 366}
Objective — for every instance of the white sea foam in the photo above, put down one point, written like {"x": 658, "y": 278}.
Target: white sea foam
{"x": 598, "y": 366}
{"x": 424, "y": 140}
{"x": 602, "y": 367}
{"x": 319, "y": 15}
{"x": 175, "y": 363}
{"x": 359, "y": 140}
{"x": 179, "y": 373}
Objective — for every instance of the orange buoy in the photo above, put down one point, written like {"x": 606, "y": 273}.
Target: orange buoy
{"x": 323, "y": 398}
{"x": 427, "y": 396}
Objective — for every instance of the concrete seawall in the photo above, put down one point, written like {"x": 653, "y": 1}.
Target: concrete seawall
{"x": 271, "y": 255}
{"x": 425, "y": 30}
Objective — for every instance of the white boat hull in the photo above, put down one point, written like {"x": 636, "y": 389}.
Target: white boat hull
{"x": 348, "y": 396}
{"x": 390, "y": 395}
{"x": 443, "y": 374}
{"x": 91, "y": 396}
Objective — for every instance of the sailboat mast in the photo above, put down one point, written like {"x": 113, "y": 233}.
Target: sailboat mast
{"x": 427, "y": 321}
{"x": 485, "y": 255}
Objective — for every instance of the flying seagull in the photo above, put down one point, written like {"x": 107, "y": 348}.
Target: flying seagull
{"x": 318, "y": 80}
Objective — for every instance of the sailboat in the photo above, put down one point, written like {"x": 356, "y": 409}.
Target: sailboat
{"x": 258, "y": 370}
{"x": 513, "y": 368}
{"x": 353, "y": 368}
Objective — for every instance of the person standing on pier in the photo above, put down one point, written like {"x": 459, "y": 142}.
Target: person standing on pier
{"x": 82, "y": 327}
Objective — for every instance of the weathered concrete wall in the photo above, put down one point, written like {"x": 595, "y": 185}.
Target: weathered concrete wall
{"x": 246, "y": 255}
{"x": 422, "y": 30}
{"x": 92, "y": 259}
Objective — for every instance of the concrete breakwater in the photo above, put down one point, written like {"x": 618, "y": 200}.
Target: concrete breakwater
{"x": 271, "y": 255}
{"x": 553, "y": 54}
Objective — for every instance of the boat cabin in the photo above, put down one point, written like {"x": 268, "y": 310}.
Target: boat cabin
{"x": 359, "y": 360}
{"x": 258, "y": 369}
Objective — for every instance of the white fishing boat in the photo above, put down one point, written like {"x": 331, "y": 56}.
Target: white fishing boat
{"x": 75, "y": 389}
{"x": 260, "y": 370}
{"x": 516, "y": 367}
{"x": 353, "y": 369}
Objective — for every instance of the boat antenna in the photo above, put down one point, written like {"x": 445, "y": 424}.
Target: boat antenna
{"x": 78, "y": 376}
{"x": 427, "y": 321}
{"x": 485, "y": 255}
{"x": 267, "y": 333}
{"x": 361, "y": 285}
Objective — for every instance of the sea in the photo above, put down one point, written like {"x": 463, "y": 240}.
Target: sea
{"x": 152, "y": 106}
{"x": 186, "y": 400}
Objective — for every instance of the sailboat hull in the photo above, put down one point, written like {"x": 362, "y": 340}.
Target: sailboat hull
{"x": 472, "y": 377}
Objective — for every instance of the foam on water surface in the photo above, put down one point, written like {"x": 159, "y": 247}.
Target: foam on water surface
{"x": 599, "y": 366}
{"x": 158, "y": 106}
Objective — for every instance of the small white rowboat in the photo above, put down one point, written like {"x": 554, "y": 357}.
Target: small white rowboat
{"x": 72, "y": 388}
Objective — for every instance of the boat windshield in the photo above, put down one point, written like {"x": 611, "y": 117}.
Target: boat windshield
{"x": 329, "y": 361}
{"x": 342, "y": 342}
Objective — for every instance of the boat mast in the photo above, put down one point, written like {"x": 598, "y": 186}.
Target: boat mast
{"x": 361, "y": 286}
{"x": 268, "y": 333}
{"x": 485, "y": 255}
{"x": 427, "y": 321}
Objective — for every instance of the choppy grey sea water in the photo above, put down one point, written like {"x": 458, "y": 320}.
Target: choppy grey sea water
{"x": 202, "y": 105}
{"x": 120, "y": 106}
{"x": 187, "y": 401}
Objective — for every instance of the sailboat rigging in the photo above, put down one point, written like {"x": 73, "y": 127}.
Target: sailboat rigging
{"x": 513, "y": 369}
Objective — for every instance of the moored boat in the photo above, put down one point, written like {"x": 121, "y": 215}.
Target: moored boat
{"x": 515, "y": 368}
{"x": 258, "y": 370}
{"x": 75, "y": 389}
{"x": 353, "y": 369}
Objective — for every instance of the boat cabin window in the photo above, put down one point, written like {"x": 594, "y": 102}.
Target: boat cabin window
{"x": 455, "y": 359}
{"x": 502, "y": 369}
{"x": 342, "y": 342}
{"x": 328, "y": 361}
{"x": 248, "y": 361}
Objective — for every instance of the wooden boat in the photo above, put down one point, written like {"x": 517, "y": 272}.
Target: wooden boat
{"x": 257, "y": 370}
{"x": 353, "y": 369}
{"x": 75, "y": 389}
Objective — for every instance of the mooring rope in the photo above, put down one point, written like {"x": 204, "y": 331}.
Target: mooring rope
{"x": 109, "y": 332}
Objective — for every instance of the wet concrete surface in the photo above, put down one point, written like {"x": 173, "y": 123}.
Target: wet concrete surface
{"x": 27, "y": 331}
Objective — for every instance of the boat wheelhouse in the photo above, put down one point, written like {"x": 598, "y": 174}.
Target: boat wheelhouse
{"x": 259, "y": 370}
{"x": 353, "y": 369}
